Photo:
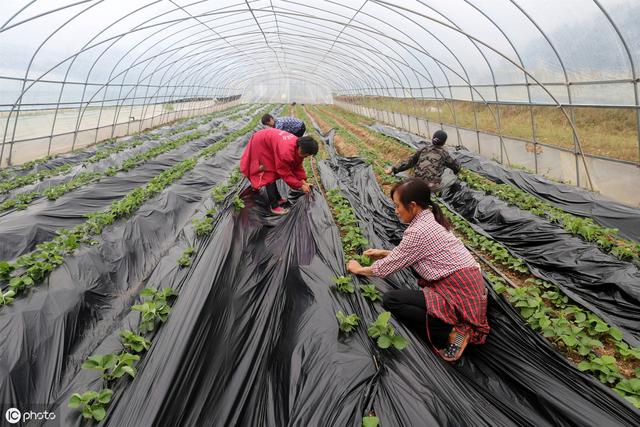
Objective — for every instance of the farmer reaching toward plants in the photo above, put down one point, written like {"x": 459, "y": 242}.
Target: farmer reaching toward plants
{"x": 452, "y": 304}
{"x": 288, "y": 124}
{"x": 274, "y": 154}
{"x": 429, "y": 162}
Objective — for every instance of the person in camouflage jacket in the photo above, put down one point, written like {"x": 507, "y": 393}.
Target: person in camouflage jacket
{"x": 430, "y": 161}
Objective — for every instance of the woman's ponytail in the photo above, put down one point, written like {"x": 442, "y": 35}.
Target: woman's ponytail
{"x": 439, "y": 216}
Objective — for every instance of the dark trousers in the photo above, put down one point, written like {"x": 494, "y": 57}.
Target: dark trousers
{"x": 409, "y": 307}
{"x": 273, "y": 195}
{"x": 301, "y": 132}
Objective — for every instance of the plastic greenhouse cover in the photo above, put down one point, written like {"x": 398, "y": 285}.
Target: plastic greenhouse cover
{"x": 569, "y": 198}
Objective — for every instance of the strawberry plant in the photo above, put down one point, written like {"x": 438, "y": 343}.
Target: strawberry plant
{"x": 364, "y": 260}
{"x": 112, "y": 366}
{"x": 93, "y": 403}
{"x": 386, "y": 333}
{"x": 627, "y": 352}
{"x": 604, "y": 367}
{"x": 203, "y": 226}
{"x": 20, "y": 283}
{"x": 134, "y": 342}
{"x": 5, "y": 270}
{"x": 370, "y": 421}
{"x": 371, "y": 293}
{"x": 630, "y": 390}
{"x": 219, "y": 193}
{"x": 608, "y": 239}
{"x": 347, "y": 323}
{"x": 7, "y": 297}
{"x": 154, "y": 309}
{"x": 238, "y": 203}
{"x": 343, "y": 284}
{"x": 185, "y": 258}
{"x": 352, "y": 237}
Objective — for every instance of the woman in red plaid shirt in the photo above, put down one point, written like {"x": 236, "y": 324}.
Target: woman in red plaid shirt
{"x": 452, "y": 305}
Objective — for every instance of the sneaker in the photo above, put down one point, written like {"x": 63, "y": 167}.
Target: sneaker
{"x": 455, "y": 346}
{"x": 279, "y": 210}
{"x": 282, "y": 201}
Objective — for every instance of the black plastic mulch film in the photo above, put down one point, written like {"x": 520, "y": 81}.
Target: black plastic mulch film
{"x": 252, "y": 338}
{"x": 598, "y": 281}
{"x": 82, "y": 305}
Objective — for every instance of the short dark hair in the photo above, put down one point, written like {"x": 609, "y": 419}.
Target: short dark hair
{"x": 308, "y": 145}
{"x": 266, "y": 119}
{"x": 418, "y": 190}
{"x": 439, "y": 137}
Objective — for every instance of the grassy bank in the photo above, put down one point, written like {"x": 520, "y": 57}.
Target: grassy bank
{"x": 610, "y": 132}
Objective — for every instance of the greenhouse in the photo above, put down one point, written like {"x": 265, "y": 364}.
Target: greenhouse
{"x": 320, "y": 213}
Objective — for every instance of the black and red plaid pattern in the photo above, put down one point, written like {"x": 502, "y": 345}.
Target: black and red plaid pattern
{"x": 459, "y": 299}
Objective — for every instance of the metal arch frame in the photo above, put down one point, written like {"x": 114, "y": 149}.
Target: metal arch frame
{"x": 190, "y": 36}
{"x": 632, "y": 65}
{"x": 576, "y": 141}
{"x": 300, "y": 45}
{"x": 351, "y": 84}
{"x": 17, "y": 103}
{"x": 429, "y": 75}
{"x": 526, "y": 80}
{"x": 437, "y": 62}
{"x": 208, "y": 29}
{"x": 496, "y": 117}
{"x": 26, "y": 75}
{"x": 62, "y": 86}
{"x": 354, "y": 37}
{"x": 150, "y": 76}
{"x": 194, "y": 55}
{"x": 424, "y": 52}
{"x": 565, "y": 113}
{"x": 135, "y": 63}
{"x": 443, "y": 95}
{"x": 230, "y": 71}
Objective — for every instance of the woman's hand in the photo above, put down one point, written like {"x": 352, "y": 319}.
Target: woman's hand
{"x": 306, "y": 187}
{"x": 354, "y": 267}
{"x": 376, "y": 253}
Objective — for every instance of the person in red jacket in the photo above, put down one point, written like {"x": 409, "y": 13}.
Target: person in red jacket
{"x": 274, "y": 154}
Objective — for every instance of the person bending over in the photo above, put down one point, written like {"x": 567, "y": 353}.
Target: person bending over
{"x": 273, "y": 154}
{"x": 287, "y": 124}
{"x": 429, "y": 162}
{"x": 452, "y": 305}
